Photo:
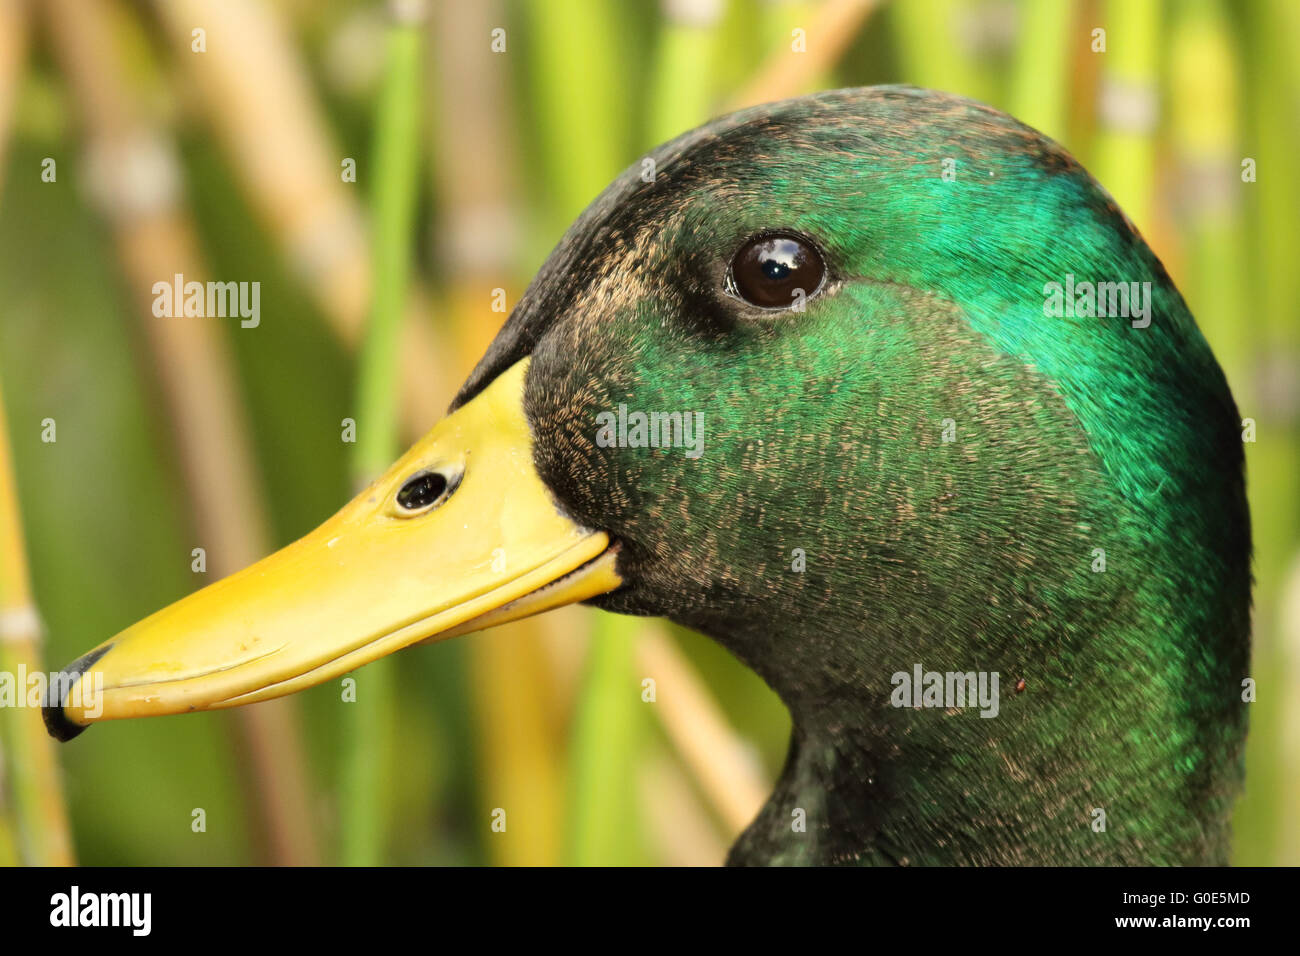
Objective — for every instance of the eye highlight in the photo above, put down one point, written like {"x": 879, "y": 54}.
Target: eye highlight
{"x": 775, "y": 270}
{"x": 422, "y": 490}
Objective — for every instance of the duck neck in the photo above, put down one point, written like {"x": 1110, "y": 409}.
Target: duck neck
{"x": 1055, "y": 747}
{"x": 880, "y": 787}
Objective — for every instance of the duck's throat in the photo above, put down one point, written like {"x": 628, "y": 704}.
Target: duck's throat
{"x": 1108, "y": 764}
{"x": 905, "y": 796}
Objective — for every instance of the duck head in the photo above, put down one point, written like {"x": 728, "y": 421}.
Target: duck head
{"x": 823, "y": 382}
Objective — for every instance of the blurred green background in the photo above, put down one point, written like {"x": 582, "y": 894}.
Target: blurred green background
{"x": 478, "y": 134}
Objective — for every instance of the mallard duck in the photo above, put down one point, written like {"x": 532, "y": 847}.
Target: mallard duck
{"x": 848, "y": 386}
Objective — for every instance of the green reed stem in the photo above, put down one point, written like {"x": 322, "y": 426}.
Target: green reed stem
{"x": 368, "y": 738}
{"x": 931, "y": 48}
{"x": 1265, "y": 824}
{"x": 1125, "y": 148}
{"x": 39, "y": 822}
{"x": 582, "y": 102}
{"x": 1041, "y": 66}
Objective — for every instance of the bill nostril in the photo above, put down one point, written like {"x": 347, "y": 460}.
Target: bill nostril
{"x": 425, "y": 489}
{"x": 422, "y": 491}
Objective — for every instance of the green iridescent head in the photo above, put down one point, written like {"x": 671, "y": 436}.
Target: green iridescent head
{"x": 938, "y": 454}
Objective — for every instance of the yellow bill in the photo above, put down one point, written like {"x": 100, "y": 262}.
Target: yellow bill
{"x": 460, "y": 534}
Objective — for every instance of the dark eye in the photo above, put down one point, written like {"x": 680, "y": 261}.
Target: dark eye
{"x": 774, "y": 270}
{"x": 422, "y": 490}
